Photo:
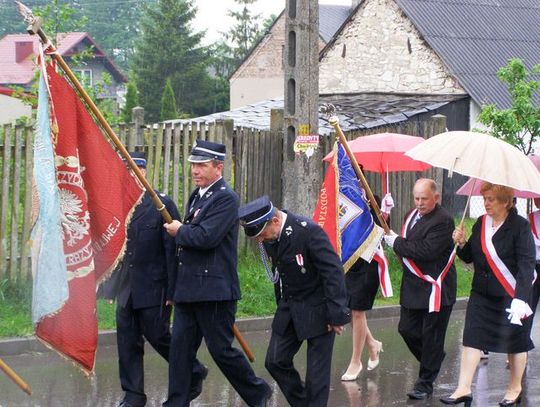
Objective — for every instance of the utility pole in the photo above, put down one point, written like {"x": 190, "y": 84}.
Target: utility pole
{"x": 302, "y": 170}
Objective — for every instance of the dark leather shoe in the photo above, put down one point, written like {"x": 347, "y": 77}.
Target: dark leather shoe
{"x": 265, "y": 402}
{"x": 467, "y": 400}
{"x": 196, "y": 385}
{"x": 506, "y": 402}
{"x": 416, "y": 394}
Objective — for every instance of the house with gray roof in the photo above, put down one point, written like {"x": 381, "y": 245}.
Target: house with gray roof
{"x": 432, "y": 47}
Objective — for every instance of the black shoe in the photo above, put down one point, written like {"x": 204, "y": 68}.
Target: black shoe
{"x": 196, "y": 385}
{"x": 416, "y": 394}
{"x": 506, "y": 402}
{"x": 467, "y": 400}
{"x": 265, "y": 402}
{"x": 124, "y": 403}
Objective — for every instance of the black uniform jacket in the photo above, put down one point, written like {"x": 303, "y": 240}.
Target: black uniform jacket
{"x": 149, "y": 260}
{"x": 514, "y": 244}
{"x": 312, "y": 295}
{"x": 207, "y": 244}
{"x": 429, "y": 244}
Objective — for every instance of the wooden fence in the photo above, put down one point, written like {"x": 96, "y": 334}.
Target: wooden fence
{"x": 253, "y": 168}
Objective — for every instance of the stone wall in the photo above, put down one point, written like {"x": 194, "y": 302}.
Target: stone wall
{"x": 256, "y": 79}
{"x": 380, "y": 50}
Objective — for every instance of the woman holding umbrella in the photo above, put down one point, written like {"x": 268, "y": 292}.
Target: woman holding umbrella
{"x": 501, "y": 247}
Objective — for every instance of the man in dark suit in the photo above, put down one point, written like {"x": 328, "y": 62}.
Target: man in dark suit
{"x": 140, "y": 288}
{"x": 428, "y": 273}
{"x": 206, "y": 287}
{"x": 311, "y": 298}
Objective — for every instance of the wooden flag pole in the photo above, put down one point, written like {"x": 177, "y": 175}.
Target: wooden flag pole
{"x": 334, "y": 122}
{"x": 34, "y": 27}
{"x": 15, "y": 377}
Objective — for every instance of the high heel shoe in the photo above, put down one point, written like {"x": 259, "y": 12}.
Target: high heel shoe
{"x": 349, "y": 377}
{"x": 466, "y": 399}
{"x": 372, "y": 364}
{"x": 506, "y": 402}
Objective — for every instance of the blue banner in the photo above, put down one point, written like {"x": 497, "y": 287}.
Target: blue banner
{"x": 360, "y": 236}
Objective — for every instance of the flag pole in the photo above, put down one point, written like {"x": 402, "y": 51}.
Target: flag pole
{"x": 334, "y": 122}
{"x": 34, "y": 27}
{"x": 15, "y": 377}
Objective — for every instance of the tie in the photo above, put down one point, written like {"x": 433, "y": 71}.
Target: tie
{"x": 196, "y": 199}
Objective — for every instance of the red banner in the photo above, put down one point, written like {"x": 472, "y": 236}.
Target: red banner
{"x": 97, "y": 196}
{"x": 326, "y": 214}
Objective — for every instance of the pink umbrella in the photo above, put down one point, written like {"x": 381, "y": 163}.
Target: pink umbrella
{"x": 384, "y": 152}
{"x": 472, "y": 186}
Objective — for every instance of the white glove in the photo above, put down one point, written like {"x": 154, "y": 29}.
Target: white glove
{"x": 390, "y": 238}
{"x": 518, "y": 310}
{"x": 387, "y": 203}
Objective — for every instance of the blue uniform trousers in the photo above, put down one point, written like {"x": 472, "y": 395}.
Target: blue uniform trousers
{"x": 213, "y": 321}
{"x": 279, "y": 362}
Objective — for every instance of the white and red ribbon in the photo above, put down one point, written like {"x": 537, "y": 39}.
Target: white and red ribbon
{"x": 384, "y": 275}
{"x": 436, "y": 285}
{"x": 299, "y": 259}
{"x": 534, "y": 220}
{"x": 503, "y": 275}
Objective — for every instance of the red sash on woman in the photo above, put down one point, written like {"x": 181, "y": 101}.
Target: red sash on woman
{"x": 384, "y": 275}
{"x": 497, "y": 266}
{"x": 436, "y": 285}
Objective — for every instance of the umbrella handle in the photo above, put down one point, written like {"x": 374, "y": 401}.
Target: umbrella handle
{"x": 467, "y": 204}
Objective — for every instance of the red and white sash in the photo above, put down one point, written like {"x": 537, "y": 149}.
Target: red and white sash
{"x": 534, "y": 220}
{"x": 384, "y": 275}
{"x": 436, "y": 285}
{"x": 503, "y": 275}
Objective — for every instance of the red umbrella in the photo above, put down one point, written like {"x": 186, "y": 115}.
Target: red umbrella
{"x": 473, "y": 185}
{"x": 384, "y": 152}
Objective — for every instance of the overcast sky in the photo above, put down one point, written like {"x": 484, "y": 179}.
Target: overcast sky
{"x": 212, "y": 14}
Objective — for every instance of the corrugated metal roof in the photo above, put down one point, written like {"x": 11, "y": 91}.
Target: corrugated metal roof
{"x": 475, "y": 38}
{"x": 330, "y": 19}
{"x": 355, "y": 111}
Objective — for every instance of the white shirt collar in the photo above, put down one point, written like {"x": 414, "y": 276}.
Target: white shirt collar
{"x": 203, "y": 191}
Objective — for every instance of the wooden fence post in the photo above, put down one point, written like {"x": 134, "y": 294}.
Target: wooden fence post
{"x": 136, "y": 134}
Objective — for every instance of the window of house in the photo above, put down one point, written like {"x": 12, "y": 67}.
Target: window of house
{"x": 85, "y": 76}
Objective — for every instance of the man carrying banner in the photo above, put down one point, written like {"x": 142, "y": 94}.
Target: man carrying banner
{"x": 311, "y": 298}
{"x": 428, "y": 287}
{"x": 206, "y": 287}
{"x": 140, "y": 287}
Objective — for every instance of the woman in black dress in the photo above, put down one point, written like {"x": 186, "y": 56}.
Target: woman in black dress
{"x": 502, "y": 250}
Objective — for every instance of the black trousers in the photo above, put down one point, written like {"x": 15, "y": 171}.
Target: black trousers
{"x": 279, "y": 362}
{"x": 212, "y": 321}
{"x": 132, "y": 325}
{"x": 424, "y": 334}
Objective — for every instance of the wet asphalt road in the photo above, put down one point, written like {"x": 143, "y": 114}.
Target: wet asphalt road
{"x": 55, "y": 383}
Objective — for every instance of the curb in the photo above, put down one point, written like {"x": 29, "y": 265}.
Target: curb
{"x": 29, "y": 344}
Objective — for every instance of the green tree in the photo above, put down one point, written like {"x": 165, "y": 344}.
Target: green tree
{"x": 132, "y": 100}
{"x": 168, "y": 48}
{"x": 168, "y": 103}
{"x": 245, "y": 32}
{"x": 518, "y": 125}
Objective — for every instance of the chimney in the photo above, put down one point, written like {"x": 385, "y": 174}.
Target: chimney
{"x": 23, "y": 49}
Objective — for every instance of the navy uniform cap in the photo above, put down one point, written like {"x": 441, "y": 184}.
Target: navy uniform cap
{"x": 255, "y": 215}
{"x": 204, "y": 151}
{"x": 139, "y": 158}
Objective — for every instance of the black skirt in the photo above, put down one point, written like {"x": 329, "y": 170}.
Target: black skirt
{"x": 362, "y": 282}
{"x": 487, "y": 326}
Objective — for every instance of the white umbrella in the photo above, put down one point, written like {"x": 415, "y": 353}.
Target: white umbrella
{"x": 480, "y": 156}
